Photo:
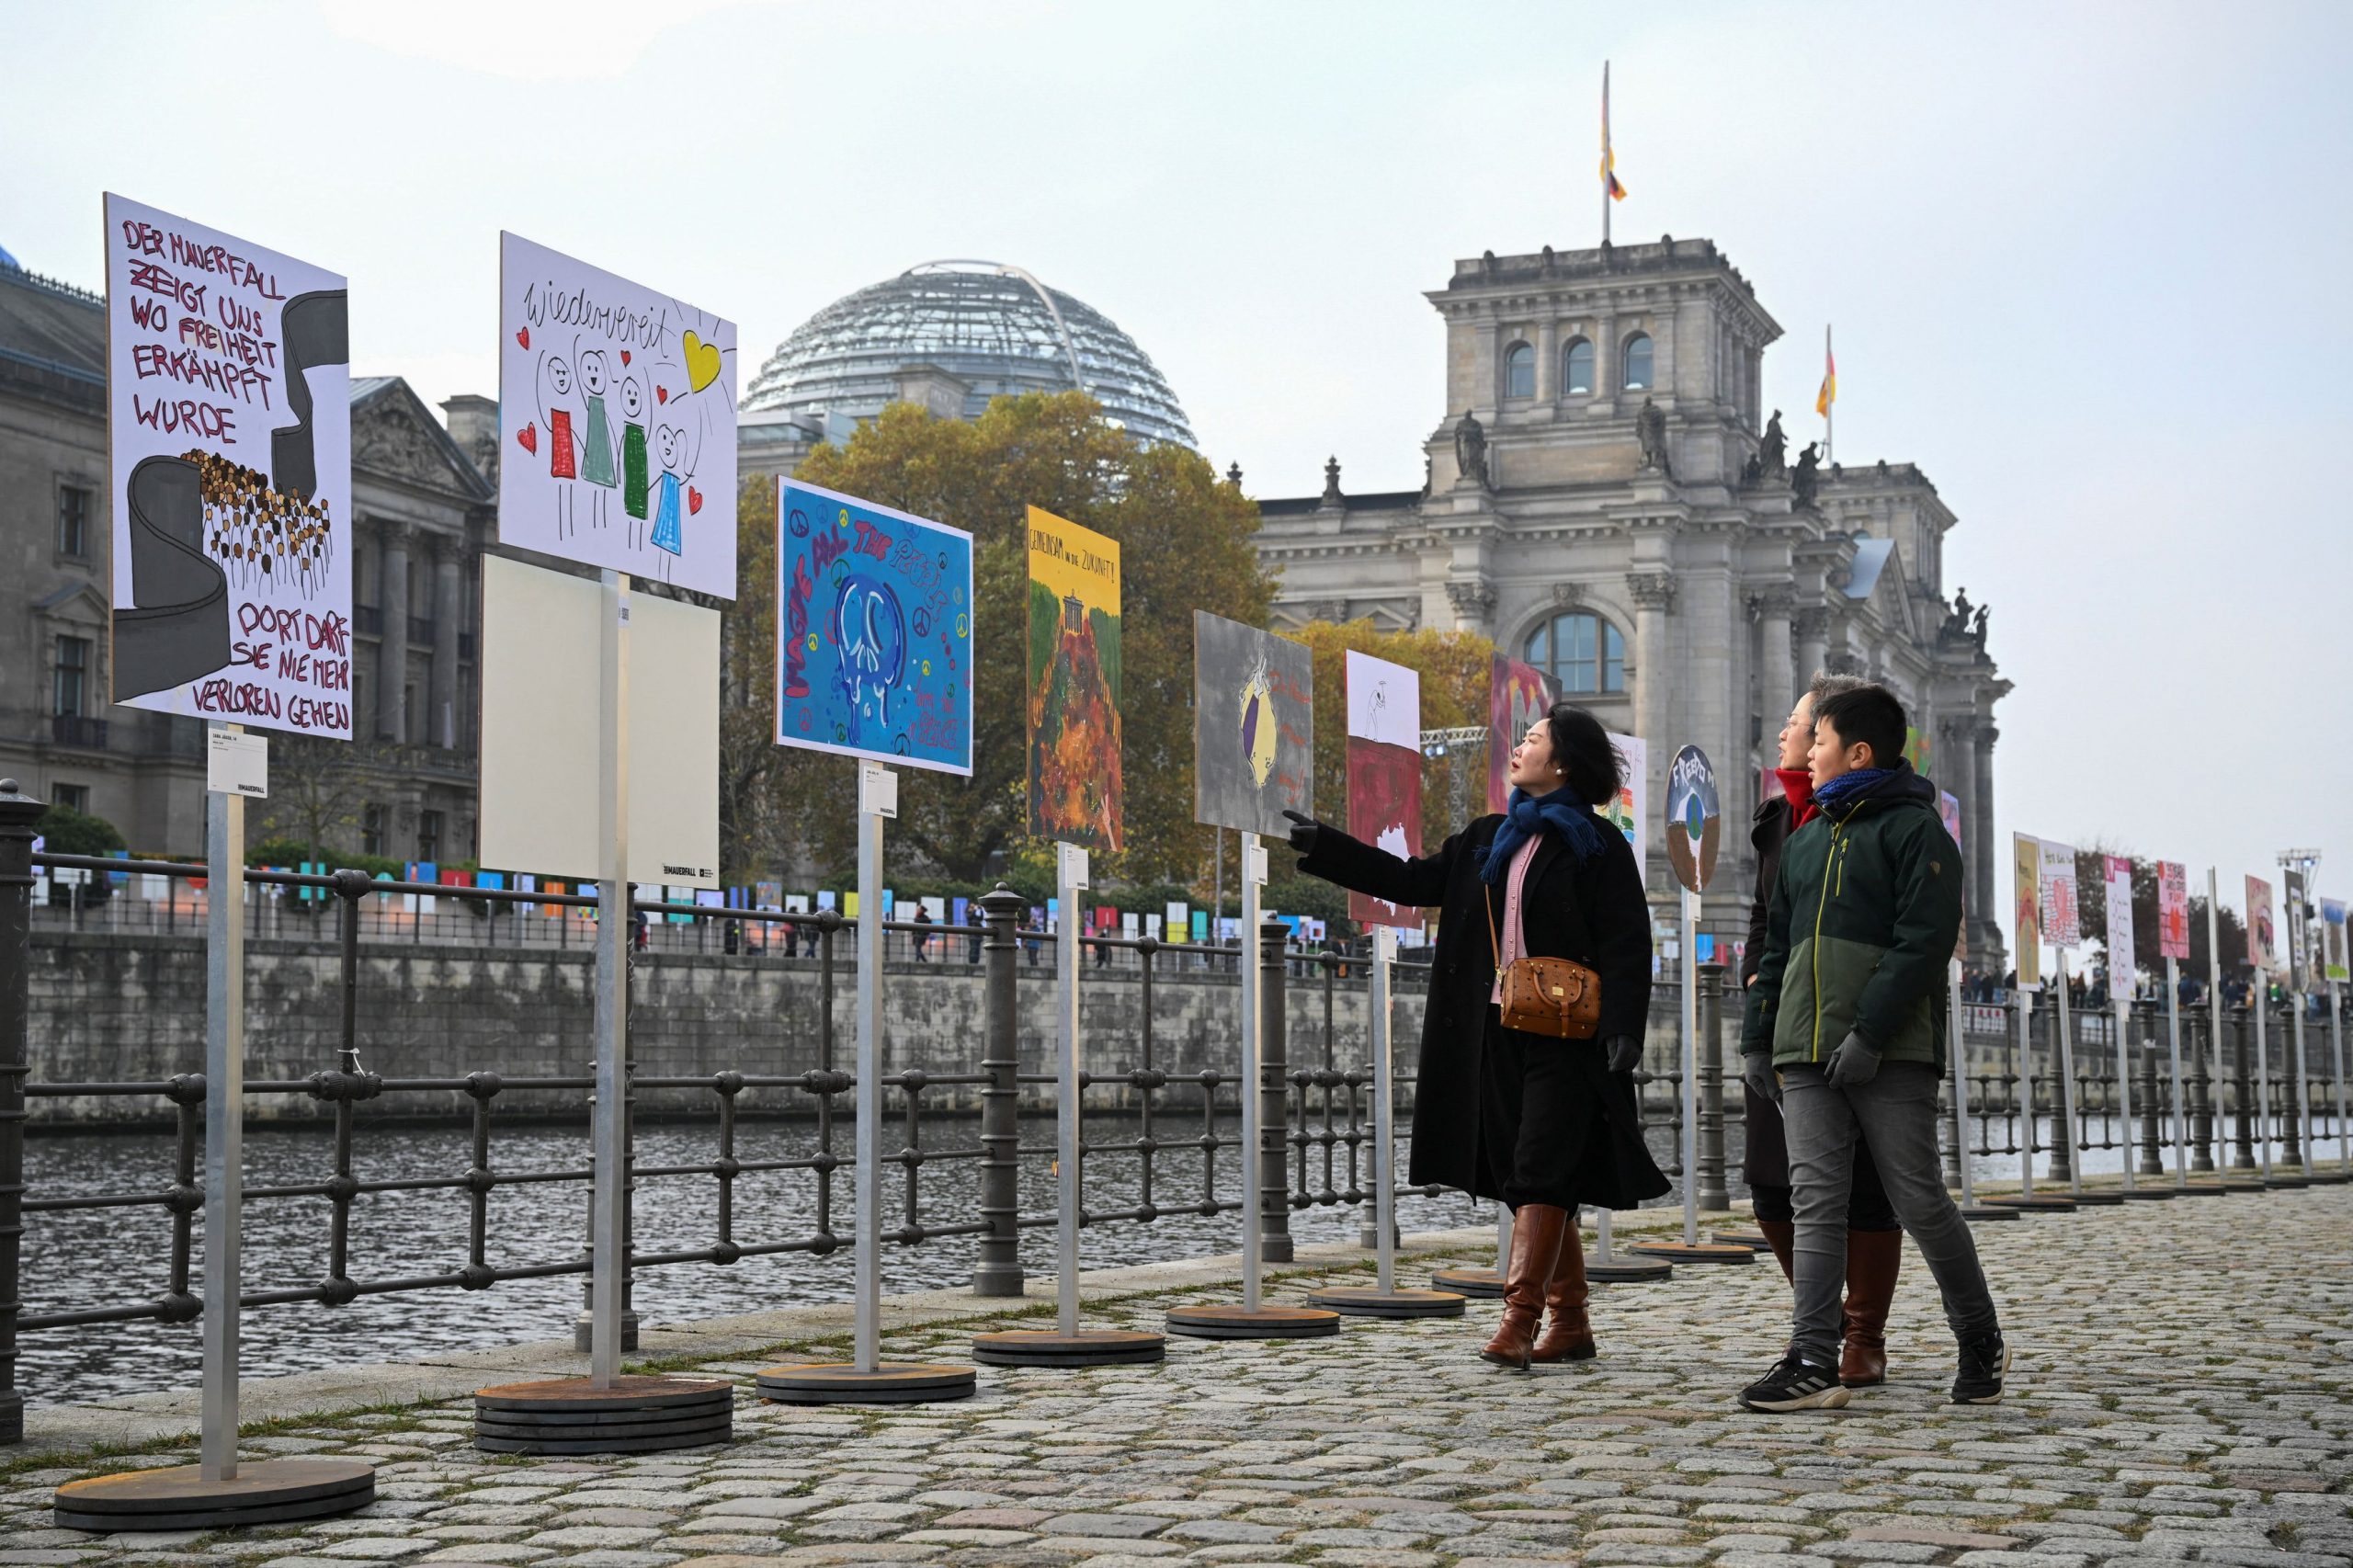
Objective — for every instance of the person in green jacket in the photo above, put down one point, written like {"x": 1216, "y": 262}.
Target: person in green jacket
{"x": 1846, "y": 1024}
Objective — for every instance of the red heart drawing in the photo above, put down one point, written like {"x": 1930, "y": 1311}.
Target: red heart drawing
{"x": 694, "y": 500}
{"x": 523, "y": 336}
{"x": 661, "y": 394}
{"x": 530, "y": 437}
{"x": 624, "y": 356}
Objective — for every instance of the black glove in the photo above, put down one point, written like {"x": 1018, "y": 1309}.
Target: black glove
{"x": 1757, "y": 1071}
{"x": 1852, "y": 1063}
{"x": 1625, "y": 1053}
{"x": 1303, "y": 831}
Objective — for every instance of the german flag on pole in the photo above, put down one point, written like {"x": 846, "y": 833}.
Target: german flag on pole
{"x": 1829, "y": 378}
{"x": 1610, "y": 186}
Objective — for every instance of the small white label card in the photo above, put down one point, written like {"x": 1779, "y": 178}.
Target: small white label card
{"x": 1254, "y": 863}
{"x": 1073, "y": 864}
{"x": 878, "y": 789}
{"x": 237, "y": 765}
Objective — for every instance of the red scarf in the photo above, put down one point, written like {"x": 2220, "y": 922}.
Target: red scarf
{"x": 1797, "y": 788}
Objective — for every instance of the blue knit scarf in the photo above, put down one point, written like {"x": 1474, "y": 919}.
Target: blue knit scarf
{"x": 1529, "y": 814}
{"x": 1849, "y": 786}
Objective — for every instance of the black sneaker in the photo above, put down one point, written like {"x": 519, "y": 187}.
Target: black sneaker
{"x": 1983, "y": 1362}
{"x": 1793, "y": 1384}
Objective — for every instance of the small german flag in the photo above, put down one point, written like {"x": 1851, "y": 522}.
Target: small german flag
{"x": 1829, "y": 379}
{"x": 1610, "y": 185}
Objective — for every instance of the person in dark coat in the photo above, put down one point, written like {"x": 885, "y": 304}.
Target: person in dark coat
{"x": 1874, "y": 1239}
{"x": 1541, "y": 1124}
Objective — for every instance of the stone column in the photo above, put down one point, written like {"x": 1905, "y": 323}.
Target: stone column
{"x": 1653, "y": 594}
{"x": 442, "y": 719}
{"x": 1547, "y": 360}
{"x": 1811, "y": 627}
{"x": 1778, "y": 677}
{"x": 1472, "y": 603}
{"x": 1982, "y": 857}
{"x": 392, "y": 647}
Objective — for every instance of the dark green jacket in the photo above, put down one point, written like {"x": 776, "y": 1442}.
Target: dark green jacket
{"x": 1862, "y": 923}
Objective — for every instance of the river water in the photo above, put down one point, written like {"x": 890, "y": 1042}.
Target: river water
{"x": 109, "y": 1256}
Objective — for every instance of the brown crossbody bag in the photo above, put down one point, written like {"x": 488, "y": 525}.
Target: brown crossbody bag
{"x": 1559, "y": 997}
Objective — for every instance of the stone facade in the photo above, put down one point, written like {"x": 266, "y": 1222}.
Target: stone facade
{"x": 1718, "y": 586}
{"x": 422, "y": 495}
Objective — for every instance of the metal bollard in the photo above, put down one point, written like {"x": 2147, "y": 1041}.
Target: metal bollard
{"x": 17, "y": 814}
{"x": 2202, "y": 1095}
{"x": 2152, "y": 1161}
{"x": 1274, "y": 1082}
{"x": 998, "y": 1271}
{"x": 1712, "y": 1193}
{"x": 2244, "y": 1160}
{"x": 2062, "y": 1099}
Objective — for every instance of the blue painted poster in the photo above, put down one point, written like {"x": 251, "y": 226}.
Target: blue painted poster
{"x": 874, "y": 631}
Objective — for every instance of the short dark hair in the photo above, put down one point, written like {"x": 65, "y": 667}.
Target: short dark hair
{"x": 1581, "y": 748}
{"x": 1869, "y": 714}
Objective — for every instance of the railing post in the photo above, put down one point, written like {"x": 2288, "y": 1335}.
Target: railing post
{"x": 2201, "y": 1094}
{"x": 2292, "y": 1080}
{"x": 2062, "y": 1107}
{"x": 998, "y": 1271}
{"x": 1712, "y": 1194}
{"x": 2153, "y": 1160}
{"x": 18, "y": 814}
{"x": 1274, "y": 1084}
{"x": 2243, "y": 1159}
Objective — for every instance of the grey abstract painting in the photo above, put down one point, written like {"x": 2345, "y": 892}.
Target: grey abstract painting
{"x": 1253, "y": 698}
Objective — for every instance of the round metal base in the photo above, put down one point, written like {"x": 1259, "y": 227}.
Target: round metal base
{"x": 1371, "y": 1302}
{"x": 1089, "y": 1347}
{"x": 2329, "y": 1179}
{"x": 2286, "y": 1183}
{"x": 2201, "y": 1189}
{"x": 2098, "y": 1200}
{"x": 1484, "y": 1283}
{"x": 1752, "y": 1240}
{"x": 1623, "y": 1270}
{"x": 2148, "y": 1195}
{"x": 633, "y": 1415}
{"x": 265, "y": 1492}
{"x": 891, "y": 1382}
{"x": 2041, "y": 1203}
{"x": 1695, "y": 1252}
{"x": 1979, "y": 1211}
{"x": 1240, "y": 1322}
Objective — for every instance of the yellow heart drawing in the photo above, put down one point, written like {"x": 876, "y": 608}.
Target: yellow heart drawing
{"x": 703, "y": 361}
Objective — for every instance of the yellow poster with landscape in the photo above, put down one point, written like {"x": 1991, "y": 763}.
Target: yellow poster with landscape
{"x": 1073, "y": 683}
{"x": 2026, "y": 871}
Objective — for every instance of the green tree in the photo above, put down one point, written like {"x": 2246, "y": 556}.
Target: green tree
{"x": 750, "y": 840}
{"x": 64, "y": 831}
{"x": 1186, "y": 544}
{"x": 1454, "y": 668}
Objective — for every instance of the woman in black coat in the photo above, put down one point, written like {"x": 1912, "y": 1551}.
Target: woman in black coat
{"x": 1541, "y": 1124}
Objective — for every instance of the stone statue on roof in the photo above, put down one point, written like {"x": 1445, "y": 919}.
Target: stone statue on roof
{"x": 1650, "y": 429}
{"x": 1772, "y": 451}
{"x": 1807, "y": 478}
{"x": 1471, "y": 449}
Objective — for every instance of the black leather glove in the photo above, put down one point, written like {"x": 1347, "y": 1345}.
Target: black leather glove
{"x": 1625, "y": 1053}
{"x": 1757, "y": 1071}
{"x": 1853, "y": 1064}
{"x": 1303, "y": 831}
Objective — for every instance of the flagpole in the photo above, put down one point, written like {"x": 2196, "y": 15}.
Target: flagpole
{"x": 1830, "y": 409}
{"x": 1605, "y": 153}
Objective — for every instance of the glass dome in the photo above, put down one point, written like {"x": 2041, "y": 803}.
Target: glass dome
{"x": 994, "y": 328}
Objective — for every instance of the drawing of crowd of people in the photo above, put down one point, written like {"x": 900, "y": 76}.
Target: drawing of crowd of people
{"x": 262, "y": 537}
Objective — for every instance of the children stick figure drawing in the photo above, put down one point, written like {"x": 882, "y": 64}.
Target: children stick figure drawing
{"x": 555, "y": 397}
{"x": 636, "y": 477}
{"x": 674, "y": 448}
{"x": 597, "y": 439}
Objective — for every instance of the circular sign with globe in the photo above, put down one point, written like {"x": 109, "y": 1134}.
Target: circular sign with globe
{"x": 1694, "y": 819}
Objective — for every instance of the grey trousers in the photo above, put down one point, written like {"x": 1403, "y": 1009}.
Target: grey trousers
{"x": 1896, "y": 1113}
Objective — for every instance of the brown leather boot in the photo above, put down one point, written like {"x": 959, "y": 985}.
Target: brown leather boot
{"x": 1781, "y": 1235}
{"x": 1873, "y": 1259}
{"x": 1567, "y": 1336}
{"x": 1536, "y": 1230}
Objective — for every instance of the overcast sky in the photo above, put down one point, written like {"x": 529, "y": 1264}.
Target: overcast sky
{"x": 2085, "y": 262}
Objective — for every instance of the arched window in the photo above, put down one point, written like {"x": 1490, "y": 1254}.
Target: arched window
{"x": 1519, "y": 370}
{"x": 1577, "y": 367}
{"x": 1584, "y": 652}
{"x": 1638, "y": 362}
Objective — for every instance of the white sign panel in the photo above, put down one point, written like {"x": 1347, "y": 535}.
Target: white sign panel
{"x": 2117, "y": 883}
{"x": 1384, "y": 701}
{"x": 229, "y": 425}
{"x": 237, "y": 765}
{"x": 2062, "y": 924}
{"x": 538, "y": 729}
{"x": 1631, "y": 810}
{"x": 617, "y": 422}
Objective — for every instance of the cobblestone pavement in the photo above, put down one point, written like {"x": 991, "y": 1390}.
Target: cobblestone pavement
{"x": 2183, "y": 1392}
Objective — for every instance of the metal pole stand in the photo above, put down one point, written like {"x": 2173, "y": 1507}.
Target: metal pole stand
{"x": 1066, "y": 1345}
{"x": 867, "y": 1379}
{"x": 1253, "y": 1319}
{"x": 1484, "y": 1283}
{"x": 607, "y": 1411}
{"x": 1956, "y": 1041}
{"x": 2182, "y": 1185}
{"x": 1385, "y": 1299}
{"x": 1691, "y": 1249}
{"x": 219, "y": 1493}
{"x": 2028, "y": 1200}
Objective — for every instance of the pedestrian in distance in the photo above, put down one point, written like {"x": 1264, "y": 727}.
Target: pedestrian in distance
{"x": 1849, "y": 1006}
{"x": 1874, "y": 1241}
{"x": 1541, "y": 1124}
